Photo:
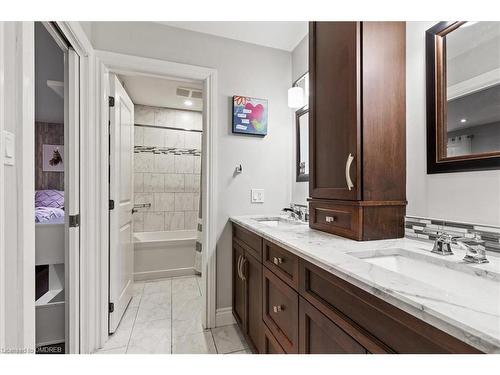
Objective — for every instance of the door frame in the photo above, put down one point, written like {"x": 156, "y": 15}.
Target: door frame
{"x": 110, "y": 62}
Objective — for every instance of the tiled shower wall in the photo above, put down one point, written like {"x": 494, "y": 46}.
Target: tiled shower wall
{"x": 167, "y": 164}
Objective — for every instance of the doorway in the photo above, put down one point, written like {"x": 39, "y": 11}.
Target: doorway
{"x": 123, "y": 66}
{"x": 56, "y": 188}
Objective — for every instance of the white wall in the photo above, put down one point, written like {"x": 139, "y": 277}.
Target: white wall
{"x": 243, "y": 69}
{"x": 468, "y": 196}
{"x": 300, "y": 65}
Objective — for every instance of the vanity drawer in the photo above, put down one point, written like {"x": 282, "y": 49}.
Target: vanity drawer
{"x": 377, "y": 325}
{"x": 332, "y": 217}
{"x": 280, "y": 311}
{"x": 282, "y": 263}
{"x": 319, "y": 335}
{"x": 270, "y": 344}
{"x": 250, "y": 241}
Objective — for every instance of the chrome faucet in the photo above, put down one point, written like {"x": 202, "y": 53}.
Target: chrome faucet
{"x": 474, "y": 247}
{"x": 297, "y": 212}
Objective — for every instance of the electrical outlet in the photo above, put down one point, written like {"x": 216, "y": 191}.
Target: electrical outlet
{"x": 257, "y": 195}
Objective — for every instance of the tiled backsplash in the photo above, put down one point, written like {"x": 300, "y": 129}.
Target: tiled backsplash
{"x": 427, "y": 228}
{"x": 167, "y": 164}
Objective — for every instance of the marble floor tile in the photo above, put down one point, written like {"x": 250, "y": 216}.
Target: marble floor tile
{"x": 199, "y": 343}
{"x": 228, "y": 339}
{"x": 187, "y": 326}
{"x": 118, "y": 339}
{"x": 185, "y": 287}
{"x": 121, "y": 350}
{"x": 135, "y": 301}
{"x": 122, "y": 334}
{"x": 154, "y": 307}
{"x": 186, "y": 308}
{"x": 160, "y": 286}
{"x": 244, "y": 351}
{"x": 154, "y": 337}
{"x": 138, "y": 287}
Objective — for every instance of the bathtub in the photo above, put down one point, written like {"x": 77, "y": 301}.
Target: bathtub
{"x": 164, "y": 254}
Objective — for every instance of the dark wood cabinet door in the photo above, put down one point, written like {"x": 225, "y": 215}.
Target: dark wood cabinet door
{"x": 252, "y": 270}
{"x": 334, "y": 110}
{"x": 280, "y": 310}
{"x": 319, "y": 335}
{"x": 239, "y": 291}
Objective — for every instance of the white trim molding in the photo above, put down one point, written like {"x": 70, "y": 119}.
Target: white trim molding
{"x": 224, "y": 317}
{"x": 109, "y": 62}
{"x": 2, "y": 188}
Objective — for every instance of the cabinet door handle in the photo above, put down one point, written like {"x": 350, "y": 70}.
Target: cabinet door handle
{"x": 330, "y": 219}
{"x": 277, "y": 260}
{"x": 239, "y": 266}
{"x": 348, "y": 163}
{"x": 243, "y": 262}
{"x": 277, "y": 308}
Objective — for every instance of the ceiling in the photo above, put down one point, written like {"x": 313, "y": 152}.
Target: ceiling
{"x": 276, "y": 34}
{"x": 479, "y": 108}
{"x": 159, "y": 92}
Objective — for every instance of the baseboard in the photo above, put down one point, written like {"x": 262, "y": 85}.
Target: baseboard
{"x": 224, "y": 317}
{"x": 161, "y": 274}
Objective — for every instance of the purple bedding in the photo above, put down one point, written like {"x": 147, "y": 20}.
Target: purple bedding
{"x": 47, "y": 215}
{"x": 49, "y": 198}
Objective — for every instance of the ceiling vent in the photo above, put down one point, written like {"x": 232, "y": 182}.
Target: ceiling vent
{"x": 189, "y": 93}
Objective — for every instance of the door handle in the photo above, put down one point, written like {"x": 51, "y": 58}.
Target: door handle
{"x": 348, "y": 163}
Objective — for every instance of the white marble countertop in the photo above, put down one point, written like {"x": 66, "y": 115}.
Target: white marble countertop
{"x": 471, "y": 315}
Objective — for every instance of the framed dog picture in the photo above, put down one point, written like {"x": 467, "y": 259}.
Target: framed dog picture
{"x": 249, "y": 115}
{"x": 53, "y": 158}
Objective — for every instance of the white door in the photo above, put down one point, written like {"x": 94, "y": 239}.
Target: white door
{"x": 121, "y": 246}
{"x": 72, "y": 200}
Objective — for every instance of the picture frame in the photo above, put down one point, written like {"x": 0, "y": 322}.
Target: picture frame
{"x": 250, "y": 116}
{"x": 53, "y": 158}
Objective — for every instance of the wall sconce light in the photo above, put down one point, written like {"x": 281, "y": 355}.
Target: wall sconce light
{"x": 295, "y": 97}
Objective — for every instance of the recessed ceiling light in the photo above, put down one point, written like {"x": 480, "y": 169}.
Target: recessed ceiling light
{"x": 188, "y": 103}
{"x": 463, "y": 121}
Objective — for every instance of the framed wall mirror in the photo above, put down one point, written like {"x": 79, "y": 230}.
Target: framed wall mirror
{"x": 463, "y": 96}
{"x": 302, "y": 129}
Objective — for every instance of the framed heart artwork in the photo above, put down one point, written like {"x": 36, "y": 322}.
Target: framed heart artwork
{"x": 249, "y": 115}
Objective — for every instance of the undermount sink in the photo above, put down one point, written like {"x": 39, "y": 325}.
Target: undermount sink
{"x": 443, "y": 274}
{"x": 276, "y": 221}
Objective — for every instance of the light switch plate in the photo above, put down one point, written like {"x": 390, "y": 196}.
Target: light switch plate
{"x": 8, "y": 146}
{"x": 257, "y": 195}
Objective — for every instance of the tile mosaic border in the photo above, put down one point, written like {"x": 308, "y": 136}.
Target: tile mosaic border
{"x": 428, "y": 228}
{"x": 168, "y": 150}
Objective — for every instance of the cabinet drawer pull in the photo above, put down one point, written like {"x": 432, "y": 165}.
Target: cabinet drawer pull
{"x": 330, "y": 219}
{"x": 277, "y": 308}
{"x": 277, "y": 260}
{"x": 348, "y": 163}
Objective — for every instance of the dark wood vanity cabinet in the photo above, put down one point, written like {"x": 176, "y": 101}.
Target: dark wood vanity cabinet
{"x": 284, "y": 304}
{"x": 357, "y": 130}
{"x": 247, "y": 285}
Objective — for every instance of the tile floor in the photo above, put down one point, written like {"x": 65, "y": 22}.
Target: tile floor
{"x": 164, "y": 317}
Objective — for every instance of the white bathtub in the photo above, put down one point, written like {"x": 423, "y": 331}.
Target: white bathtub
{"x": 164, "y": 254}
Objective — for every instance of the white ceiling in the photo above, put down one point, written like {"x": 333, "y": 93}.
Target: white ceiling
{"x": 276, "y": 34}
{"x": 158, "y": 92}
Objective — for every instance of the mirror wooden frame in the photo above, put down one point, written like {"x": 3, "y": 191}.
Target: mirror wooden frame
{"x": 298, "y": 115}
{"x": 437, "y": 161}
